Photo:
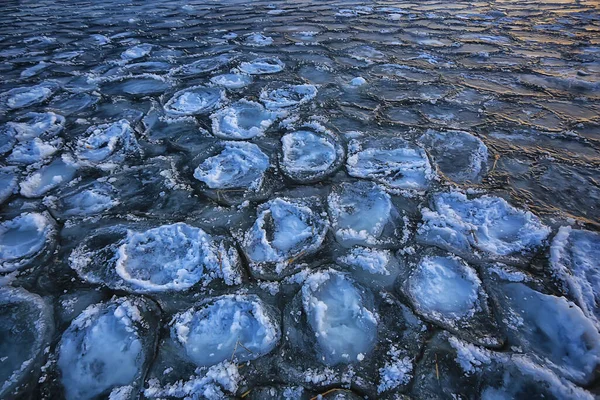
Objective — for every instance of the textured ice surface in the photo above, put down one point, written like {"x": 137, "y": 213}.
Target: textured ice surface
{"x": 34, "y": 125}
{"x": 27, "y": 96}
{"x": 575, "y": 261}
{"x": 204, "y": 66}
{"x": 237, "y": 166}
{"x": 8, "y": 183}
{"x": 242, "y": 120}
{"x": 258, "y": 40}
{"x": 552, "y": 328}
{"x": 459, "y": 155}
{"x": 262, "y": 66}
{"x": 86, "y": 200}
{"x": 26, "y": 327}
{"x": 287, "y": 96}
{"x": 106, "y": 145}
{"x": 171, "y": 257}
{"x": 284, "y": 229}
{"x": 310, "y": 155}
{"x": 371, "y": 267}
{"x": 486, "y": 223}
{"x": 135, "y": 52}
{"x": 33, "y": 151}
{"x": 391, "y": 161}
{"x": 232, "y": 81}
{"x": 107, "y": 348}
{"x": 240, "y": 327}
{"x": 25, "y": 238}
{"x": 340, "y": 316}
{"x": 196, "y": 100}
{"x": 360, "y": 213}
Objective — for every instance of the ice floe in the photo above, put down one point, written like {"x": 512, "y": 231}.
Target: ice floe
{"x": 287, "y": 95}
{"x": 242, "y": 120}
{"x": 27, "y": 96}
{"x": 262, "y": 66}
{"x": 196, "y": 100}
{"x": 371, "y": 267}
{"x": 59, "y": 172}
{"x": 232, "y": 81}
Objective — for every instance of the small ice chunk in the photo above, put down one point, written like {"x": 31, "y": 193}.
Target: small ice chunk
{"x": 35, "y": 69}
{"x": 232, "y": 81}
{"x": 90, "y": 200}
{"x": 26, "y": 328}
{"x": 486, "y": 223}
{"x": 284, "y": 230}
{"x": 371, "y": 267}
{"x": 340, "y": 315}
{"x": 552, "y": 328}
{"x": 391, "y": 161}
{"x": 287, "y": 96}
{"x": 8, "y": 183}
{"x": 196, "y": 100}
{"x": 204, "y": 66}
{"x": 106, "y": 145}
{"x": 238, "y": 326}
{"x": 36, "y": 125}
{"x": 458, "y": 154}
{"x": 33, "y": 151}
{"x": 24, "y": 238}
{"x": 135, "y": 52}
{"x": 310, "y": 155}
{"x": 242, "y": 120}
{"x": 28, "y": 96}
{"x": 58, "y": 172}
{"x": 258, "y": 40}
{"x": 262, "y": 66}
{"x": 575, "y": 261}
{"x": 358, "y": 81}
{"x": 108, "y": 346}
{"x": 359, "y": 213}
{"x": 237, "y": 166}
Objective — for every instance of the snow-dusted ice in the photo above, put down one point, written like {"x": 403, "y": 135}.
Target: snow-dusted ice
{"x": 287, "y": 96}
{"x": 371, "y": 267}
{"x": 240, "y": 327}
{"x": 59, "y": 172}
{"x": 204, "y": 66}
{"x": 488, "y": 224}
{"x": 310, "y": 154}
{"x": 237, "y": 166}
{"x": 107, "y": 349}
{"x": 8, "y": 183}
{"x": 242, "y": 120}
{"x": 27, "y": 96}
{"x": 172, "y": 257}
{"x": 262, "y": 66}
{"x": 25, "y": 238}
{"x": 394, "y": 162}
{"x": 195, "y": 100}
{"x": 34, "y": 125}
{"x": 575, "y": 262}
{"x": 232, "y": 81}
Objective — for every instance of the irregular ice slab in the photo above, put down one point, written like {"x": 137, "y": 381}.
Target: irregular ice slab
{"x": 138, "y": 85}
{"x": 459, "y": 155}
{"x": 34, "y": 125}
{"x": 58, "y": 172}
{"x": 25, "y": 328}
{"x": 237, "y": 166}
{"x": 258, "y": 40}
{"x": 171, "y": 257}
{"x": 487, "y": 223}
{"x": 106, "y": 145}
{"x": 340, "y": 316}
{"x": 575, "y": 261}
{"x": 360, "y": 213}
{"x": 310, "y": 155}
{"x": 25, "y": 238}
{"x": 239, "y": 326}
{"x": 284, "y": 230}
{"x": 552, "y": 328}
{"x": 107, "y": 347}
{"x": 288, "y": 96}
{"x": 139, "y": 51}
{"x": 195, "y": 101}
{"x": 7, "y": 140}
{"x": 392, "y": 161}
{"x": 8, "y": 183}
{"x": 33, "y": 151}
{"x": 84, "y": 201}
{"x": 444, "y": 289}
{"x": 262, "y": 66}
{"x": 242, "y": 120}
{"x": 371, "y": 267}
{"x": 28, "y": 96}
{"x": 204, "y": 65}
{"x": 232, "y": 81}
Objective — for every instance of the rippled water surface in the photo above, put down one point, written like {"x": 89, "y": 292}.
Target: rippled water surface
{"x": 285, "y": 199}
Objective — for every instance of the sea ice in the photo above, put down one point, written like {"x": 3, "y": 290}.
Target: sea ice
{"x": 262, "y": 66}
{"x": 26, "y": 327}
{"x": 35, "y": 125}
{"x": 231, "y": 326}
{"x": 237, "y": 166}
{"x": 24, "y": 239}
{"x": 27, "y": 96}
{"x": 393, "y": 162}
{"x": 135, "y": 52}
{"x": 242, "y": 120}
{"x": 33, "y": 151}
{"x": 371, "y": 267}
{"x": 107, "y": 348}
{"x": 486, "y": 223}
{"x": 59, "y": 172}
{"x": 232, "y": 81}
{"x": 204, "y": 66}
{"x": 196, "y": 100}
{"x": 310, "y": 155}
{"x": 258, "y": 40}
{"x": 8, "y": 182}
{"x": 287, "y": 96}
{"x": 83, "y": 201}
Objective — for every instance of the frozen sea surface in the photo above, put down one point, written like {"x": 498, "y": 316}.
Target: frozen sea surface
{"x": 285, "y": 200}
